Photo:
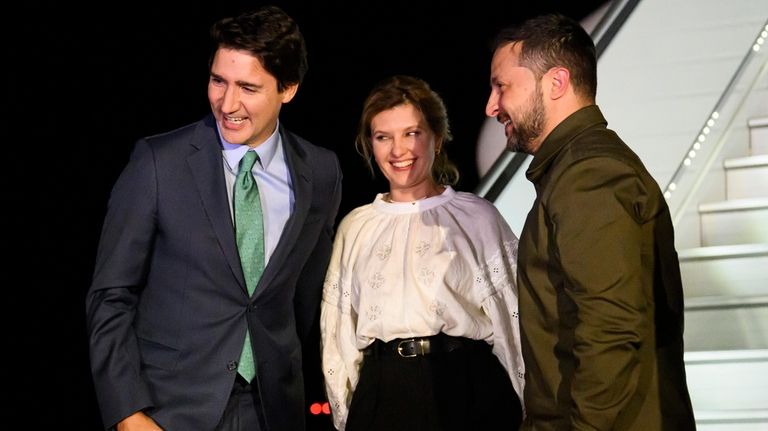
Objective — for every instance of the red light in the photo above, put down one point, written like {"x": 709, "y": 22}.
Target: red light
{"x": 315, "y": 408}
{"x": 326, "y": 408}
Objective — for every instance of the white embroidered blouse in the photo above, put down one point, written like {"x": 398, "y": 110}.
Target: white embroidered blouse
{"x": 403, "y": 269}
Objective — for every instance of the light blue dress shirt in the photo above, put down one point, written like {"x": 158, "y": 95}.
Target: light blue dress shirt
{"x": 274, "y": 181}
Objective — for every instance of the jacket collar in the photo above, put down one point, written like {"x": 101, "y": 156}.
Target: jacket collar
{"x": 206, "y": 167}
{"x": 560, "y": 137}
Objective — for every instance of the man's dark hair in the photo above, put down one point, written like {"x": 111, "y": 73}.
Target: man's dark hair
{"x": 554, "y": 40}
{"x": 272, "y": 36}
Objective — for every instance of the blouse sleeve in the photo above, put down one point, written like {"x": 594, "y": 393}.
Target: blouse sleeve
{"x": 340, "y": 357}
{"x": 496, "y": 279}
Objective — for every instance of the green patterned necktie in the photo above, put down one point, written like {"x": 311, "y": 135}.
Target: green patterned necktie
{"x": 249, "y": 229}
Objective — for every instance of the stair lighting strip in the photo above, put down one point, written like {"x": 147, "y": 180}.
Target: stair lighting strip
{"x": 714, "y": 116}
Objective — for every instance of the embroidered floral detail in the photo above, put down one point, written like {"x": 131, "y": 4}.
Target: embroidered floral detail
{"x": 515, "y": 314}
{"x": 331, "y": 371}
{"x": 426, "y": 275}
{"x": 422, "y": 248}
{"x": 376, "y": 280}
{"x": 334, "y": 285}
{"x": 346, "y": 293}
{"x": 497, "y": 272}
{"x": 384, "y": 251}
{"x": 332, "y": 279}
{"x": 437, "y": 307}
{"x": 373, "y": 313}
{"x": 331, "y": 286}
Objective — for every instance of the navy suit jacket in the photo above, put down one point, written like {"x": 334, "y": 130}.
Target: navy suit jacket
{"x": 168, "y": 306}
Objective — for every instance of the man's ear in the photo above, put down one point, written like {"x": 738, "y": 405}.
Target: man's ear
{"x": 559, "y": 81}
{"x": 289, "y": 92}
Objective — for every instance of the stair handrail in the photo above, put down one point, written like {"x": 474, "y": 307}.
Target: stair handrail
{"x": 715, "y": 114}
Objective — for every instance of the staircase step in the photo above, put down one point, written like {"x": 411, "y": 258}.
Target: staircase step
{"x": 758, "y": 135}
{"x": 728, "y": 381}
{"x": 737, "y": 221}
{"x": 746, "y": 177}
{"x": 725, "y": 302}
{"x": 732, "y": 420}
{"x": 726, "y": 323}
{"x": 740, "y": 270}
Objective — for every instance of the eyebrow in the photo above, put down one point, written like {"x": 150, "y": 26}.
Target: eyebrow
{"x": 248, "y": 84}
{"x": 406, "y": 129}
{"x": 240, "y": 83}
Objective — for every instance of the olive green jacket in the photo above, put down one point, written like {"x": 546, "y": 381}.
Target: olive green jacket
{"x": 601, "y": 300}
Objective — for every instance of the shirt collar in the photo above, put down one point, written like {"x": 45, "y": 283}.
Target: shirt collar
{"x": 565, "y": 132}
{"x": 233, "y": 153}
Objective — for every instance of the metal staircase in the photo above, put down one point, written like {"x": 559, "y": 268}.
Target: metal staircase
{"x": 726, "y": 294}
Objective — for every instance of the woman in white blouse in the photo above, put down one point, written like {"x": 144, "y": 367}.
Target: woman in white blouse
{"x": 419, "y": 316}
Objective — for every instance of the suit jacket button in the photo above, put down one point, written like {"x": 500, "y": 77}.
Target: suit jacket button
{"x": 252, "y": 307}
{"x": 232, "y": 365}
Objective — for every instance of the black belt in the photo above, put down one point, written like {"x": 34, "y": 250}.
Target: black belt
{"x": 419, "y": 346}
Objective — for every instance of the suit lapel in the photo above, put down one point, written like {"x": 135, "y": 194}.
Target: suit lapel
{"x": 206, "y": 165}
{"x": 301, "y": 177}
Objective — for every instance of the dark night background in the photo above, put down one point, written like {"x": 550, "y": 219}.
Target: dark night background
{"x": 84, "y": 82}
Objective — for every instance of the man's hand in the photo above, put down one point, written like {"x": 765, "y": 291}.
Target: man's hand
{"x": 138, "y": 422}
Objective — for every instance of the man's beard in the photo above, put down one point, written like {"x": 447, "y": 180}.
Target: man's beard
{"x": 530, "y": 125}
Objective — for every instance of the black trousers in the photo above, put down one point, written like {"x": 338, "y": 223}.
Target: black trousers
{"x": 241, "y": 413}
{"x": 464, "y": 389}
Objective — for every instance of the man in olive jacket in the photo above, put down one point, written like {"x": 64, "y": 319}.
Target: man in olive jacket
{"x": 601, "y": 301}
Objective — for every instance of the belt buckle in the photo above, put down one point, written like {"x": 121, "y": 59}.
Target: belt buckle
{"x": 423, "y": 346}
{"x": 400, "y": 348}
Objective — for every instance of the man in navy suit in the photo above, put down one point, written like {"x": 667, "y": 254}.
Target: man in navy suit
{"x": 168, "y": 308}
